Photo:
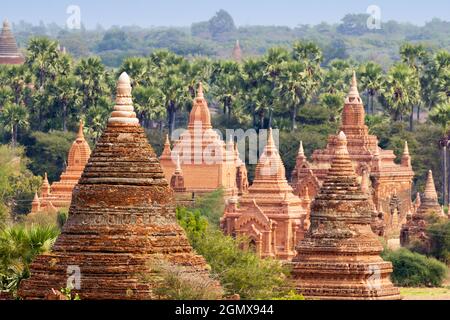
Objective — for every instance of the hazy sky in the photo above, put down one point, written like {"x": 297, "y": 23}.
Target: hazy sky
{"x": 245, "y": 12}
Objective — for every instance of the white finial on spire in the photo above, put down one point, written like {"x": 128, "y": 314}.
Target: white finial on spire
{"x": 123, "y": 110}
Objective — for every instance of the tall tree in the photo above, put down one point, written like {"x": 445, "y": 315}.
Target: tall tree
{"x": 401, "y": 90}
{"x": 371, "y": 80}
{"x": 14, "y": 117}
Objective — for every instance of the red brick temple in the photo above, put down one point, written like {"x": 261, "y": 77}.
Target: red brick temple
{"x": 270, "y": 215}
{"x": 414, "y": 230}
{"x": 59, "y": 194}
{"x": 208, "y": 163}
{"x": 339, "y": 258}
{"x": 390, "y": 183}
{"x": 9, "y": 52}
{"x": 121, "y": 222}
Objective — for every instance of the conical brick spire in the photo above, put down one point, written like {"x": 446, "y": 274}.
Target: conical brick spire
{"x": 430, "y": 189}
{"x": 429, "y": 202}
{"x": 406, "y": 158}
{"x": 45, "y": 188}
{"x": 9, "y": 52}
{"x": 167, "y": 152}
{"x": 200, "y": 117}
{"x": 237, "y": 52}
{"x": 340, "y": 253}
{"x": 121, "y": 221}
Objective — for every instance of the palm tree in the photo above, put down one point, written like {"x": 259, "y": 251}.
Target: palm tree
{"x": 415, "y": 56}
{"x": 371, "y": 80}
{"x": 138, "y": 70}
{"x": 14, "y": 117}
{"x": 226, "y": 79}
{"x": 441, "y": 115}
{"x": 65, "y": 95}
{"x": 333, "y": 102}
{"x": 401, "y": 90}
{"x": 42, "y": 59}
{"x": 93, "y": 81}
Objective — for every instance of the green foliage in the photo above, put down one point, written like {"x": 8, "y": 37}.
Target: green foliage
{"x": 180, "y": 283}
{"x": 61, "y": 218}
{"x": 415, "y": 270}
{"x": 242, "y": 272}
{"x": 211, "y": 206}
{"x": 239, "y": 271}
{"x": 19, "y": 245}
{"x": 439, "y": 234}
{"x": 17, "y": 183}
{"x": 192, "y": 222}
{"x": 48, "y": 152}
{"x": 67, "y": 292}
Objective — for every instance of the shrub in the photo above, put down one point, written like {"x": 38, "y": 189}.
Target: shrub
{"x": 415, "y": 270}
{"x": 19, "y": 245}
{"x": 439, "y": 234}
{"x": 180, "y": 283}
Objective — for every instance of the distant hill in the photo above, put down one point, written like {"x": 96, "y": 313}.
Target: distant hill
{"x": 215, "y": 38}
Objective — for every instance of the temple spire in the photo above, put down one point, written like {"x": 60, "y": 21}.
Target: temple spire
{"x": 301, "y": 150}
{"x": 430, "y": 189}
{"x": 354, "y": 86}
{"x": 200, "y": 93}
{"x": 178, "y": 167}
{"x": 406, "y": 158}
{"x": 9, "y": 52}
{"x": 200, "y": 115}
{"x": 123, "y": 113}
{"x": 80, "y": 135}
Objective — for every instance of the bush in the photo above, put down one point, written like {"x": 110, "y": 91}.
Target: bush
{"x": 211, "y": 206}
{"x": 415, "y": 270}
{"x": 439, "y": 234}
{"x": 180, "y": 283}
{"x": 19, "y": 245}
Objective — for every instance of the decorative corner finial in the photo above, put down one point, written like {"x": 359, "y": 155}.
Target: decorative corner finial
{"x": 301, "y": 151}
{"x": 406, "y": 149}
{"x": 80, "y": 134}
{"x": 200, "y": 93}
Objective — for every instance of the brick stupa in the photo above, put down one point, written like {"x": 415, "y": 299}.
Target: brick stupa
{"x": 59, "y": 194}
{"x": 270, "y": 215}
{"x": 9, "y": 52}
{"x": 415, "y": 228}
{"x": 122, "y": 218}
{"x": 391, "y": 183}
{"x": 339, "y": 258}
{"x": 208, "y": 163}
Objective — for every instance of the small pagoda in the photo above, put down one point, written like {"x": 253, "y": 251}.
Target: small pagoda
{"x": 391, "y": 183}
{"x": 208, "y": 162}
{"x": 121, "y": 223}
{"x": 269, "y": 215}
{"x": 237, "y": 52}
{"x": 9, "y": 52}
{"x": 339, "y": 258}
{"x": 59, "y": 195}
{"x": 414, "y": 230}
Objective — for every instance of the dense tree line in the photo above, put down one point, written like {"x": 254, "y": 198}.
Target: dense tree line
{"x": 214, "y": 38}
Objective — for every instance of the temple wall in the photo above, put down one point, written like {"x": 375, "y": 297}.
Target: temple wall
{"x": 201, "y": 177}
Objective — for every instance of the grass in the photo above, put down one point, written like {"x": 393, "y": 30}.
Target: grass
{"x": 426, "y": 293}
